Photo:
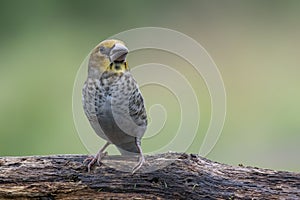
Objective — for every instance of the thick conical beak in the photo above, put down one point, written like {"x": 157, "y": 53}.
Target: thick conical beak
{"x": 118, "y": 53}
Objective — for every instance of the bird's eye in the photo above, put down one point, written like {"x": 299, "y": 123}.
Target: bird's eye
{"x": 101, "y": 49}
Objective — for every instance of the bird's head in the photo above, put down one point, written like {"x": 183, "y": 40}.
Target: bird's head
{"x": 109, "y": 55}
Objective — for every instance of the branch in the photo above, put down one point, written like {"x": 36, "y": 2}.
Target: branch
{"x": 186, "y": 177}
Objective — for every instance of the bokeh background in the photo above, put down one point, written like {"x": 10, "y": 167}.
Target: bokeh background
{"x": 255, "y": 44}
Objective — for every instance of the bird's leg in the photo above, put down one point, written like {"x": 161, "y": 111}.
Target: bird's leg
{"x": 97, "y": 158}
{"x": 141, "y": 159}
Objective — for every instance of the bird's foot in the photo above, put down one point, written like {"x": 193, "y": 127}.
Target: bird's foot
{"x": 90, "y": 161}
{"x": 139, "y": 165}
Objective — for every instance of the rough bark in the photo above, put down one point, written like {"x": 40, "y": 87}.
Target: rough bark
{"x": 186, "y": 176}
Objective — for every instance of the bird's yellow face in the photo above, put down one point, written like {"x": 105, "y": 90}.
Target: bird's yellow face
{"x": 109, "y": 55}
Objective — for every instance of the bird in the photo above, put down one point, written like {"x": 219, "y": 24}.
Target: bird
{"x": 113, "y": 102}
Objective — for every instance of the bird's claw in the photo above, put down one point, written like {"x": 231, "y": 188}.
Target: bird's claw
{"x": 139, "y": 165}
{"x": 90, "y": 161}
{"x": 102, "y": 155}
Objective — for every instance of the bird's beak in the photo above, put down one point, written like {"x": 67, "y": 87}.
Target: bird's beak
{"x": 118, "y": 53}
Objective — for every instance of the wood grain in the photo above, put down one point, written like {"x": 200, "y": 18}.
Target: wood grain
{"x": 186, "y": 176}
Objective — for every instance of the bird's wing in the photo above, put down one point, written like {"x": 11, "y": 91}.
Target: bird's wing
{"x": 137, "y": 109}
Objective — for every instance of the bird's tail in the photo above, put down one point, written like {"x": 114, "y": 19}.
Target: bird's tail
{"x": 130, "y": 148}
{"x": 127, "y": 153}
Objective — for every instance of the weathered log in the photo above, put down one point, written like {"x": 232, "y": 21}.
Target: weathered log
{"x": 186, "y": 176}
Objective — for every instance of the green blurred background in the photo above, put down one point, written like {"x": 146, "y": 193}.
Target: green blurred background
{"x": 255, "y": 44}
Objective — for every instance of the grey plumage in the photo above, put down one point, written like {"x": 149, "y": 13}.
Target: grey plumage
{"x": 113, "y": 102}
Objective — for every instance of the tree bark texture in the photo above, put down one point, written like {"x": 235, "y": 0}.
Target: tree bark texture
{"x": 185, "y": 176}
